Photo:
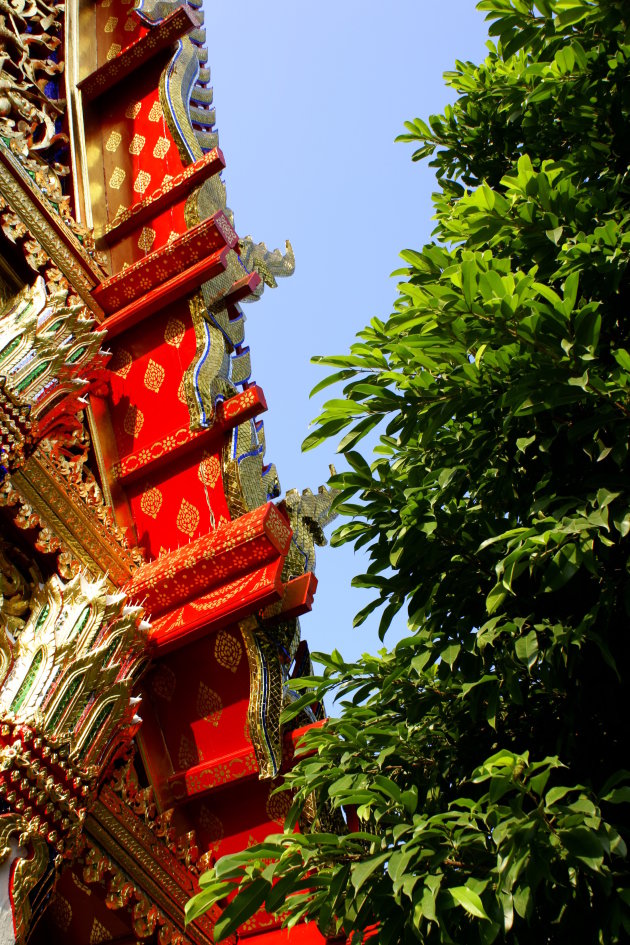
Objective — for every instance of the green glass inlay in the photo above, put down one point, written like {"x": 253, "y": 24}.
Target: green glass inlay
{"x": 97, "y": 724}
{"x": 80, "y": 623}
{"x": 32, "y": 376}
{"x": 8, "y": 349}
{"x": 29, "y": 679}
{"x": 42, "y": 617}
{"x": 63, "y": 703}
{"x": 76, "y": 355}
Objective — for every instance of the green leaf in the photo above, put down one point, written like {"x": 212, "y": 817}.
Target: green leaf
{"x": 362, "y": 871}
{"x": 468, "y": 900}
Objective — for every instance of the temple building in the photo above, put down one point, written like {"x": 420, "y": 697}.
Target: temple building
{"x": 152, "y": 573}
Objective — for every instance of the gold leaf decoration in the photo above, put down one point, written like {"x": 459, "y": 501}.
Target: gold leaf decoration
{"x": 134, "y": 419}
{"x": 99, "y": 933}
{"x": 187, "y": 518}
{"x": 121, "y": 363}
{"x": 212, "y": 827}
{"x": 130, "y": 24}
{"x": 111, "y": 24}
{"x": 164, "y": 682}
{"x": 227, "y": 651}
{"x": 187, "y": 756}
{"x": 181, "y": 392}
{"x": 113, "y": 141}
{"x": 117, "y": 178}
{"x": 146, "y": 239}
{"x": 151, "y": 502}
{"x": 61, "y": 912}
{"x": 141, "y": 182}
{"x": 156, "y": 112}
{"x": 209, "y": 470}
{"x": 154, "y": 376}
{"x": 278, "y": 806}
{"x": 113, "y": 51}
{"x": 161, "y": 147}
{"x": 137, "y": 144}
{"x": 133, "y": 110}
{"x": 174, "y": 332}
{"x": 209, "y": 704}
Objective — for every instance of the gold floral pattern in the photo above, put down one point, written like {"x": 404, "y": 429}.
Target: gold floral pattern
{"x": 187, "y": 756}
{"x": 113, "y": 51}
{"x": 147, "y": 238}
{"x": 137, "y": 144}
{"x": 118, "y": 178}
{"x": 164, "y": 682}
{"x": 141, "y": 182}
{"x": 134, "y": 419}
{"x": 111, "y": 24}
{"x": 212, "y": 828}
{"x": 154, "y": 376}
{"x": 209, "y": 470}
{"x": 121, "y": 363}
{"x": 174, "y": 332}
{"x": 61, "y": 912}
{"x": 151, "y": 502}
{"x": 156, "y": 111}
{"x": 181, "y": 392}
{"x": 187, "y": 518}
{"x": 99, "y": 933}
{"x": 113, "y": 141}
{"x": 130, "y": 24}
{"x": 209, "y": 704}
{"x": 227, "y": 651}
{"x": 133, "y": 110}
{"x": 278, "y": 805}
{"x": 161, "y": 147}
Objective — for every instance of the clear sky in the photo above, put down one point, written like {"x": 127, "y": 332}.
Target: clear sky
{"x": 309, "y": 98}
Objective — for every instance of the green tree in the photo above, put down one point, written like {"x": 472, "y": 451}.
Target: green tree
{"x": 484, "y": 755}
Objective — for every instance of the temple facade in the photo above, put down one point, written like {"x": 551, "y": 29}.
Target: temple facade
{"x": 152, "y": 574}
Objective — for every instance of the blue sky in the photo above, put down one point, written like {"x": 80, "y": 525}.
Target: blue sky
{"x": 309, "y": 98}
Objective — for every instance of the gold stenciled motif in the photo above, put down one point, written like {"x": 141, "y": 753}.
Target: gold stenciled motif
{"x": 117, "y": 179}
{"x": 113, "y": 51}
{"x": 161, "y": 147}
{"x": 209, "y": 470}
{"x": 113, "y": 141}
{"x": 111, "y": 24}
{"x": 134, "y": 420}
{"x": 60, "y": 911}
{"x": 278, "y": 805}
{"x": 141, "y": 182}
{"x": 212, "y": 828}
{"x": 151, "y": 502}
{"x": 154, "y": 376}
{"x": 187, "y": 518}
{"x": 227, "y": 651}
{"x": 156, "y": 112}
{"x": 99, "y": 933}
{"x": 137, "y": 144}
{"x": 181, "y": 391}
{"x": 209, "y": 704}
{"x": 146, "y": 239}
{"x": 121, "y": 363}
{"x": 130, "y": 24}
{"x": 187, "y": 756}
{"x": 174, "y": 332}
{"x": 172, "y": 236}
{"x": 133, "y": 110}
{"x": 164, "y": 682}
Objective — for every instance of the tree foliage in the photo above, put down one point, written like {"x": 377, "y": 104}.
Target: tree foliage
{"x": 485, "y": 754}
